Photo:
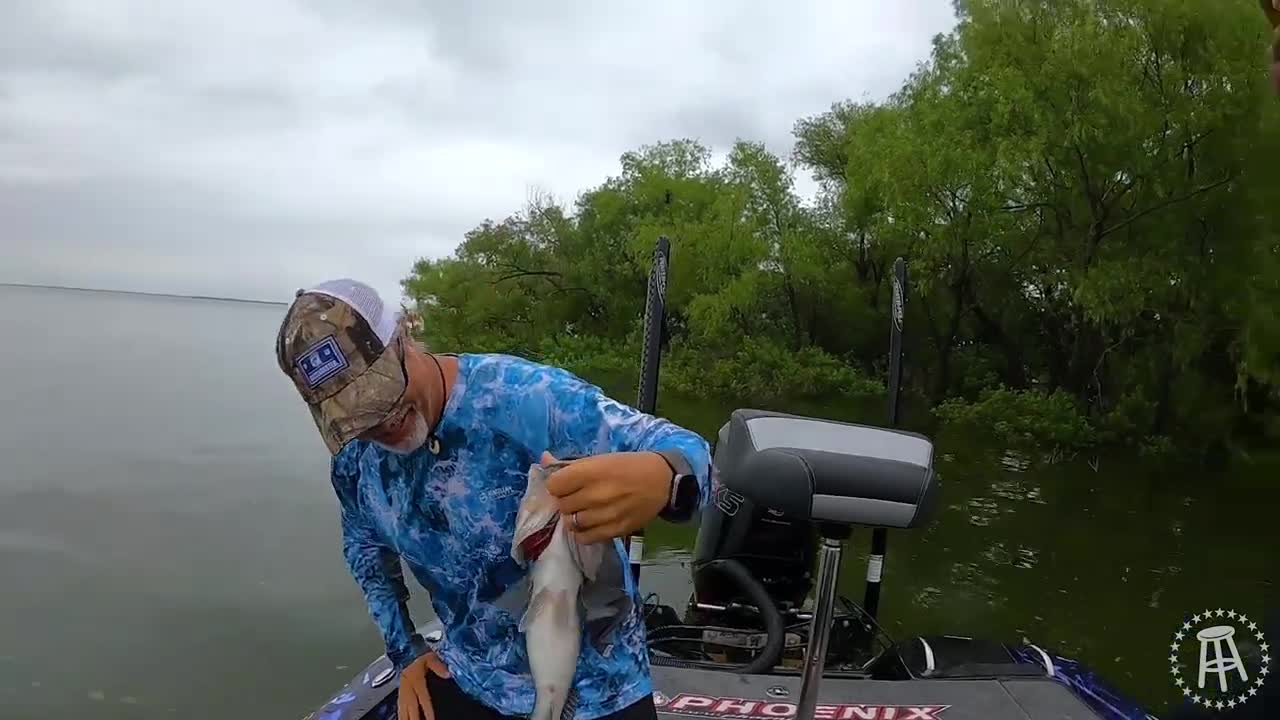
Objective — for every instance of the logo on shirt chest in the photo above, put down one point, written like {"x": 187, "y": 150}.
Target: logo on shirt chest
{"x": 499, "y": 493}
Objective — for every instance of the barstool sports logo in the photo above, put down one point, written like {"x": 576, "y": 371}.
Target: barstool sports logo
{"x": 1219, "y": 659}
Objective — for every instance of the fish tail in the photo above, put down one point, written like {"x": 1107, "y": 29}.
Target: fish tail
{"x": 549, "y": 706}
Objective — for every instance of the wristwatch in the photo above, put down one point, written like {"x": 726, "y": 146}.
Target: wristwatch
{"x": 683, "y": 499}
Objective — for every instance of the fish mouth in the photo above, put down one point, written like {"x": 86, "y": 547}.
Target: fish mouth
{"x": 533, "y": 545}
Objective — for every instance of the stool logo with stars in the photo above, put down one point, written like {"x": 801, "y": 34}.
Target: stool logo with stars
{"x": 1219, "y": 659}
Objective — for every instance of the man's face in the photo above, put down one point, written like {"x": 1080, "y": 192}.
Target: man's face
{"x": 405, "y": 429}
{"x": 403, "y": 433}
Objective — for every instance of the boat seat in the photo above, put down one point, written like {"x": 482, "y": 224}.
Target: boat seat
{"x": 826, "y": 470}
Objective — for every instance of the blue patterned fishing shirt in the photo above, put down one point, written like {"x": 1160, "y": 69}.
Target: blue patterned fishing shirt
{"x": 451, "y": 516}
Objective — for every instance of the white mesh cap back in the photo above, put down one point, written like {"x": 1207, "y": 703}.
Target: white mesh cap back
{"x": 366, "y": 301}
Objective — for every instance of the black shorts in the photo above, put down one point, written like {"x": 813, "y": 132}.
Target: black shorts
{"x": 449, "y": 702}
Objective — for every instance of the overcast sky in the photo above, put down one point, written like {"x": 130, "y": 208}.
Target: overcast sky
{"x": 241, "y": 148}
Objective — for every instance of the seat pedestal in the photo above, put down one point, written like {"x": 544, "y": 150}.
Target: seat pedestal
{"x": 815, "y": 656}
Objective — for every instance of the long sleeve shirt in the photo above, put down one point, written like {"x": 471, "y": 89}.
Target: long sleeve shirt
{"x": 450, "y": 517}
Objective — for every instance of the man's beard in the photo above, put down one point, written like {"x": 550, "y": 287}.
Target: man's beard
{"x": 417, "y": 435}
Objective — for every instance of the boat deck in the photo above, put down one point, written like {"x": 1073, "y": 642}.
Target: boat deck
{"x": 683, "y": 693}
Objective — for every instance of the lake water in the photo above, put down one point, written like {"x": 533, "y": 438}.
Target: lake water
{"x": 170, "y": 542}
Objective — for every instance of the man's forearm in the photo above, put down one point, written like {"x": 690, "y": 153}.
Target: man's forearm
{"x": 684, "y": 451}
{"x": 375, "y": 568}
{"x": 586, "y": 421}
{"x": 378, "y": 573}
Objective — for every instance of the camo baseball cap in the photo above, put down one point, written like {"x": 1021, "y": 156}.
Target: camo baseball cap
{"x": 343, "y": 349}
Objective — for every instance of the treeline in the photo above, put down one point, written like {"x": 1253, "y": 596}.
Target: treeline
{"x": 1087, "y": 194}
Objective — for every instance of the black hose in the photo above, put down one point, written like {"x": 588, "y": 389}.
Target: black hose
{"x": 775, "y": 634}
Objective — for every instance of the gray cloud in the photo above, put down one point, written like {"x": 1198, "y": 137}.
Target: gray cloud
{"x": 248, "y": 148}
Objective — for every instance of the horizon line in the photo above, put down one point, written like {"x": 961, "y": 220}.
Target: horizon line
{"x": 217, "y": 298}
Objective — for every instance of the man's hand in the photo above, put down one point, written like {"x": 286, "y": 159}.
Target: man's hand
{"x": 607, "y": 496}
{"x": 414, "y": 700}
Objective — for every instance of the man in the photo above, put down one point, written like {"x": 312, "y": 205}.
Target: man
{"x": 1272, "y": 9}
{"x": 431, "y": 454}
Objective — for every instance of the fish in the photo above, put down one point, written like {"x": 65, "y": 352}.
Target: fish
{"x": 559, "y": 567}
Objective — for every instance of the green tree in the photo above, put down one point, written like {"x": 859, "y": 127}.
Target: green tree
{"x": 1085, "y": 192}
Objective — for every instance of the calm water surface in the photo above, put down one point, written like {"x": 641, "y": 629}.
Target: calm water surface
{"x": 171, "y": 549}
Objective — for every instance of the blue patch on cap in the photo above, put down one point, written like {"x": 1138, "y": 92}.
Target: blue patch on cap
{"x": 322, "y": 361}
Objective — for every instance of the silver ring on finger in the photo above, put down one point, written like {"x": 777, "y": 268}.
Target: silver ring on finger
{"x": 574, "y": 520}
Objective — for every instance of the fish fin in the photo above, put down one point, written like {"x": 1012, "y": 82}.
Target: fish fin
{"x": 557, "y": 603}
{"x": 538, "y": 604}
{"x": 537, "y": 509}
{"x": 606, "y": 602}
{"x": 588, "y": 557}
